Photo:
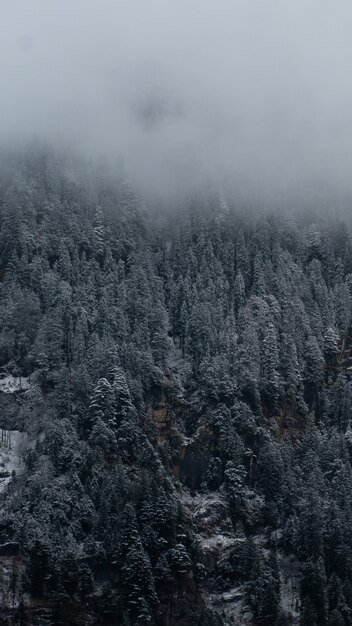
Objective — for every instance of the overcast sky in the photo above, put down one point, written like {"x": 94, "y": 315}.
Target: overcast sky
{"x": 257, "y": 92}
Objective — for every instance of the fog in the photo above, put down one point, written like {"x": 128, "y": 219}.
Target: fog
{"x": 253, "y": 96}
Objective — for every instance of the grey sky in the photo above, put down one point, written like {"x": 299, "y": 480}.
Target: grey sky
{"x": 254, "y": 91}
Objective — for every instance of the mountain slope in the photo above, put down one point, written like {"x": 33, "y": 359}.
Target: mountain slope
{"x": 181, "y": 383}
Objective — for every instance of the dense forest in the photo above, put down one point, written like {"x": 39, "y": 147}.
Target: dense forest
{"x": 181, "y": 383}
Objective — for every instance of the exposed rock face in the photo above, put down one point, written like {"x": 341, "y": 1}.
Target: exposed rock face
{"x": 215, "y": 539}
{"x": 189, "y": 457}
{"x": 218, "y": 539}
{"x": 196, "y": 457}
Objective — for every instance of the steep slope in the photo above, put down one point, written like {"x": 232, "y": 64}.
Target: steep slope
{"x": 181, "y": 387}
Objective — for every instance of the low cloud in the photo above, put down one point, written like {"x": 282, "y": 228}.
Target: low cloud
{"x": 253, "y": 95}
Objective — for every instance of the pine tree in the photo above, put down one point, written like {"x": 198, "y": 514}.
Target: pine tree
{"x": 239, "y": 292}
{"x": 270, "y": 382}
{"x": 314, "y": 369}
{"x": 331, "y": 345}
{"x": 102, "y": 405}
{"x": 235, "y": 487}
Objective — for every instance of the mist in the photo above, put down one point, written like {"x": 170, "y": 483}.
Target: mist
{"x": 250, "y": 96}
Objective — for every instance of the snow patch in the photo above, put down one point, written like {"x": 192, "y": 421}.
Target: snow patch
{"x": 11, "y": 384}
{"x": 231, "y": 606}
{"x": 216, "y": 541}
{"x": 11, "y": 447}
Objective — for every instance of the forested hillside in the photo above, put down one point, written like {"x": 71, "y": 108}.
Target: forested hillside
{"x": 179, "y": 387}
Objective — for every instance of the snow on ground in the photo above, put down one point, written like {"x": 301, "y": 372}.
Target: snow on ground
{"x": 10, "y": 568}
{"x": 216, "y": 541}
{"x": 213, "y": 532}
{"x": 209, "y": 511}
{"x": 11, "y": 384}
{"x": 231, "y": 606}
{"x": 11, "y": 446}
